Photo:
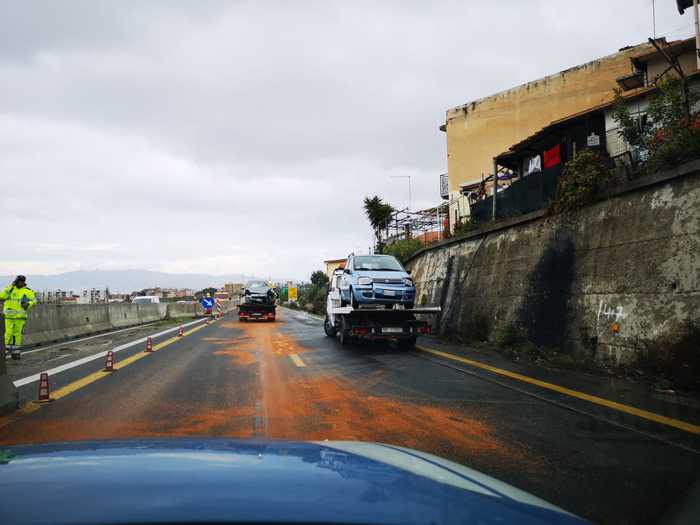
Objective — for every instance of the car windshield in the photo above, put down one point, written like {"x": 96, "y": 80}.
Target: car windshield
{"x": 336, "y": 252}
{"x": 377, "y": 262}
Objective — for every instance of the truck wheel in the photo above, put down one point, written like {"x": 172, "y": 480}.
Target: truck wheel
{"x": 407, "y": 345}
{"x": 353, "y": 301}
{"x": 344, "y": 333}
{"x": 343, "y": 302}
{"x": 329, "y": 328}
{"x": 241, "y": 319}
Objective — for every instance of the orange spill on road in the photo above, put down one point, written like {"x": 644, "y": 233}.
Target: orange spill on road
{"x": 294, "y": 403}
{"x": 232, "y": 422}
{"x": 238, "y": 357}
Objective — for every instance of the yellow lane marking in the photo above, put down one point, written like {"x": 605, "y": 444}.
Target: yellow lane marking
{"x": 91, "y": 378}
{"x": 651, "y": 416}
{"x": 297, "y": 360}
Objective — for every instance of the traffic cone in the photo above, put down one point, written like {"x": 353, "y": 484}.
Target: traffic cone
{"x": 181, "y": 332}
{"x": 44, "y": 393}
{"x": 149, "y": 345}
{"x": 109, "y": 366}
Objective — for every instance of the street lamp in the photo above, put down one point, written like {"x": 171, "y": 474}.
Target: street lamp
{"x": 409, "y": 187}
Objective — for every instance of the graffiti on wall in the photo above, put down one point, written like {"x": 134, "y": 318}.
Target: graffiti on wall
{"x": 611, "y": 313}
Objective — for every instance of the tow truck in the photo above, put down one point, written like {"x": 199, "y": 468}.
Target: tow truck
{"x": 257, "y": 302}
{"x": 373, "y": 322}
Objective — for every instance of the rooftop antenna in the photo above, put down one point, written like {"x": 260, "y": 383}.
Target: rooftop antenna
{"x": 653, "y": 17}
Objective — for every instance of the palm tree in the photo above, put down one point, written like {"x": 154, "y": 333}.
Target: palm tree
{"x": 379, "y": 214}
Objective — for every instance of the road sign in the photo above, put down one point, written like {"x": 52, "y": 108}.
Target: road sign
{"x": 292, "y": 293}
{"x": 444, "y": 186}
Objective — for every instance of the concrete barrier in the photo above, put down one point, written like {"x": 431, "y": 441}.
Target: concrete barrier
{"x": 122, "y": 315}
{"x": 149, "y": 313}
{"x": 48, "y": 323}
{"x": 182, "y": 310}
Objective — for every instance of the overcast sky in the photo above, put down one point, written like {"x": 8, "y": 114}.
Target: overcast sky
{"x": 225, "y": 137}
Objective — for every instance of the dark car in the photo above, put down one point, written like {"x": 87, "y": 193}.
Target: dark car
{"x": 229, "y": 481}
{"x": 258, "y": 292}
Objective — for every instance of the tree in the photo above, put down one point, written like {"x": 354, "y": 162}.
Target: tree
{"x": 671, "y": 133}
{"x": 379, "y": 214}
{"x": 313, "y": 295}
{"x": 319, "y": 279}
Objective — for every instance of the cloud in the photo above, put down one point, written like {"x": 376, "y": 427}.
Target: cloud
{"x": 242, "y": 136}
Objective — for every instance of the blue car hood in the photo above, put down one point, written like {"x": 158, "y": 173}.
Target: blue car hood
{"x": 164, "y": 481}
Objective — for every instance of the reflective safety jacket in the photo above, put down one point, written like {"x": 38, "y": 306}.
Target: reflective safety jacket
{"x": 14, "y": 299}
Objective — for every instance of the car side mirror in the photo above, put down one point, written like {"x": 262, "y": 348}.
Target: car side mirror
{"x": 346, "y": 271}
{"x": 408, "y": 272}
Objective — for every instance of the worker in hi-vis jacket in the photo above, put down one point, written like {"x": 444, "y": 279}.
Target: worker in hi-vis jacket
{"x": 19, "y": 298}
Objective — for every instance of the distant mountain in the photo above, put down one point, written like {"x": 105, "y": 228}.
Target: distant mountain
{"x": 126, "y": 280}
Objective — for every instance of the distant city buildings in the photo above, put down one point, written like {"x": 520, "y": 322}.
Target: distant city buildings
{"x": 233, "y": 289}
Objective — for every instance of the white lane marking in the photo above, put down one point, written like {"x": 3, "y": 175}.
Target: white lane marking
{"x": 297, "y": 360}
{"x": 78, "y": 362}
{"x": 73, "y": 341}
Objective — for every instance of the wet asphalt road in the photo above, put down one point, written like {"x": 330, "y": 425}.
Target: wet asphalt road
{"x": 287, "y": 380}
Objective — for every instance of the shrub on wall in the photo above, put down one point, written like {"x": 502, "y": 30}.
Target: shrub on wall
{"x": 403, "y": 249}
{"x": 581, "y": 178}
{"x": 465, "y": 225}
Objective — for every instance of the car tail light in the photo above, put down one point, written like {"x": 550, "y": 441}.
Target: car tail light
{"x": 425, "y": 330}
{"x": 359, "y": 330}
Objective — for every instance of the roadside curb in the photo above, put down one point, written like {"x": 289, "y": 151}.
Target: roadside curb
{"x": 304, "y": 312}
{"x": 9, "y": 397}
{"x": 600, "y": 401}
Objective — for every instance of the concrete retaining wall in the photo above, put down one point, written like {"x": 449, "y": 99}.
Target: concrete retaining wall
{"x": 604, "y": 282}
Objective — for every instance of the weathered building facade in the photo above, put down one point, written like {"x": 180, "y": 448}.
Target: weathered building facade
{"x": 480, "y": 130}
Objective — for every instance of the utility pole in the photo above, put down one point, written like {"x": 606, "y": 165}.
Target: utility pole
{"x": 437, "y": 211}
{"x": 697, "y": 32}
{"x": 682, "y": 5}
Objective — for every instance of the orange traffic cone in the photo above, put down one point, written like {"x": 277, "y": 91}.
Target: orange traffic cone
{"x": 44, "y": 394}
{"x": 149, "y": 345}
{"x": 181, "y": 332}
{"x": 109, "y": 366}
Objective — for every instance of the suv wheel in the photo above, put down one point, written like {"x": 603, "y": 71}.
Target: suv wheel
{"x": 353, "y": 300}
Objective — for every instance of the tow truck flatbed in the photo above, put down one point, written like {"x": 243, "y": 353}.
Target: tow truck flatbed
{"x": 346, "y": 310}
